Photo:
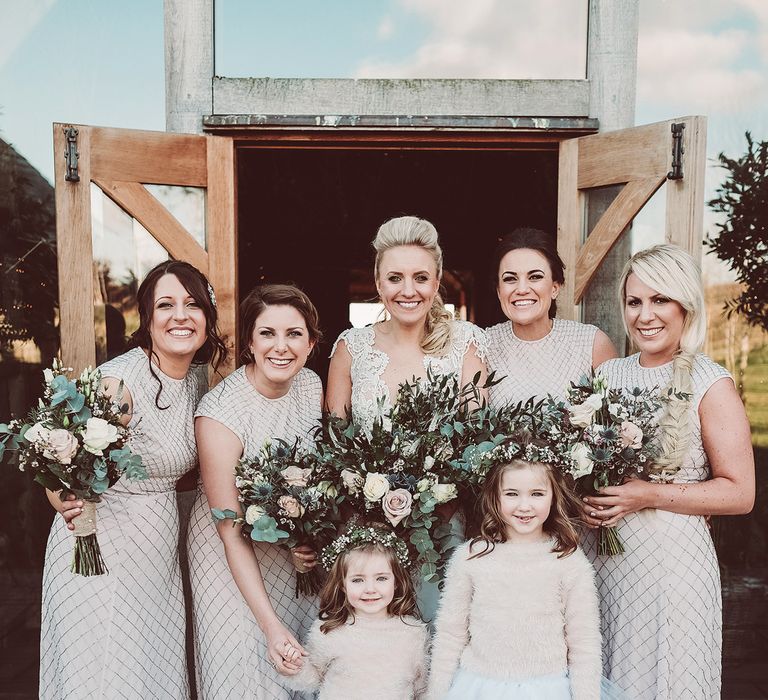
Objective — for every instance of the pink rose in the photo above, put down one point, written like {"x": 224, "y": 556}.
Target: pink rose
{"x": 631, "y": 435}
{"x": 396, "y": 505}
{"x": 62, "y": 445}
{"x": 296, "y": 476}
{"x": 292, "y": 508}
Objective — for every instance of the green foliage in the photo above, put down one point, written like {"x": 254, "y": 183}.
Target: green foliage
{"x": 742, "y": 239}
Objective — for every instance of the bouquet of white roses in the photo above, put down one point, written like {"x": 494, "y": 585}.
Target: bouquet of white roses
{"x": 401, "y": 469}
{"x": 609, "y": 435}
{"x": 280, "y": 505}
{"x": 74, "y": 442}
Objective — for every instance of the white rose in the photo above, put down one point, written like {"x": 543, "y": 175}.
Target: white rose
{"x": 98, "y": 435}
{"x": 423, "y": 485}
{"x": 429, "y": 462}
{"x": 254, "y": 513}
{"x": 444, "y": 492}
{"x": 62, "y": 445}
{"x": 352, "y": 481}
{"x": 376, "y": 485}
{"x": 37, "y": 434}
{"x": 292, "y": 508}
{"x": 583, "y": 413}
{"x": 296, "y": 476}
{"x": 631, "y": 435}
{"x": 580, "y": 455}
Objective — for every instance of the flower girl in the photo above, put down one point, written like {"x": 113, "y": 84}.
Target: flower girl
{"x": 519, "y": 613}
{"x": 368, "y": 641}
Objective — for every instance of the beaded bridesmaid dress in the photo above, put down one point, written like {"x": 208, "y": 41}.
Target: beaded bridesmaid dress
{"x": 121, "y": 635}
{"x": 370, "y": 395}
{"x": 231, "y": 656}
{"x": 535, "y": 368}
{"x": 661, "y": 603}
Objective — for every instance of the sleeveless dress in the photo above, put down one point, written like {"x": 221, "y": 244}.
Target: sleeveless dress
{"x": 121, "y": 635}
{"x": 535, "y": 368}
{"x": 231, "y": 657}
{"x": 370, "y": 394}
{"x": 660, "y": 601}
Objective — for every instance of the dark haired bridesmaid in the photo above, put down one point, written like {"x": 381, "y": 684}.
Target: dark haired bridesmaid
{"x": 535, "y": 352}
{"x": 121, "y": 634}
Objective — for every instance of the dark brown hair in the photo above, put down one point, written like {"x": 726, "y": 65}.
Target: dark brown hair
{"x": 560, "y": 524}
{"x": 275, "y": 295}
{"x": 335, "y": 610}
{"x": 213, "y": 350}
{"x": 534, "y": 239}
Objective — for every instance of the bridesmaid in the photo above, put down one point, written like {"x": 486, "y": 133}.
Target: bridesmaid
{"x": 247, "y": 620}
{"x": 121, "y": 635}
{"x": 661, "y": 599}
{"x": 534, "y": 352}
{"x": 368, "y": 364}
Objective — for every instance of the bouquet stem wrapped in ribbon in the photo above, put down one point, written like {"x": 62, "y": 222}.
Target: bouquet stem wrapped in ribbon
{"x": 75, "y": 443}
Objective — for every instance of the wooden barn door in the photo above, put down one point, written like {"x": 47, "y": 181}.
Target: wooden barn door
{"x": 126, "y": 200}
{"x": 641, "y": 159}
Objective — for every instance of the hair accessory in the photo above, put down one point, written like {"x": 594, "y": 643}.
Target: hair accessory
{"x": 211, "y": 295}
{"x": 358, "y": 536}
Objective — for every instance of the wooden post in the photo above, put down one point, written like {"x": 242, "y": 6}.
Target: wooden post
{"x": 612, "y": 75}
{"x": 188, "y": 64}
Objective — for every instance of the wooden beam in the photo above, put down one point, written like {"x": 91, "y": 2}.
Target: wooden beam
{"x": 74, "y": 244}
{"x": 221, "y": 228}
{"x": 612, "y": 223}
{"x": 151, "y": 157}
{"x": 629, "y": 154}
{"x": 570, "y": 212}
{"x": 188, "y": 64}
{"x": 685, "y": 198}
{"x": 331, "y": 97}
{"x": 137, "y": 201}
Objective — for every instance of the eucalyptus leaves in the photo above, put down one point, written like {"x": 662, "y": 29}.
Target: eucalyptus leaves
{"x": 74, "y": 442}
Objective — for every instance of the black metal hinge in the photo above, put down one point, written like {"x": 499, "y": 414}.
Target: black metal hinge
{"x": 677, "y": 152}
{"x": 71, "y": 155}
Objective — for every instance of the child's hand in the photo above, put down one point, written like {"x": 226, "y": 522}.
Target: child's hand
{"x": 285, "y": 653}
{"x": 304, "y": 558}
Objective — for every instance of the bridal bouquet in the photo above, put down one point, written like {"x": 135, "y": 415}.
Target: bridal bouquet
{"x": 74, "y": 442}
{"x": 608, "y": 435}
{"x": 400, "y": 470}
{"x": 280, "y": 504}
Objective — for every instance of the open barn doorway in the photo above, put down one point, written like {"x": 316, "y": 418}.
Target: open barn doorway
{"x": 308, "y": 216}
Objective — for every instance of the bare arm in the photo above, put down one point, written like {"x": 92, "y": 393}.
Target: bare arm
{"x": 72, "y": 506}
{"x": 339, "y": 397}
{"x": 731, "y": 490}
{"x": 602, "y": 349}
{"x": 219, "y": 450}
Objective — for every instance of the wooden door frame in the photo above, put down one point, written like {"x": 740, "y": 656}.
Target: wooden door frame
{"x": 120, "y": 162}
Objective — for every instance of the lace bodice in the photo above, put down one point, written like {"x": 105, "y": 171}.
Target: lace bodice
{"x": 538, "y": 367}
{"x": 370, "y": 394}
{"x": 628, "y": 372}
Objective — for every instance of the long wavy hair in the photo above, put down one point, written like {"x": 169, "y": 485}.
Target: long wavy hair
{"x": 410, "y": 230}
{"x": 560, "y": 524}
{"x": 671, "y": 271}
{"x": 213, "y": 351}
{"x": 335, "y": 609}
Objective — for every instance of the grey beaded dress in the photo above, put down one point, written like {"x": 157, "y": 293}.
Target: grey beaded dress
{"x": 231, "y": 657}
{"x": 660, "y": 601}
{"x": 121, "y": 635}
{"x": 535, "y": 368}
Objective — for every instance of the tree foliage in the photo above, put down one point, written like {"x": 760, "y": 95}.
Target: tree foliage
{"x": 743, "y": 236}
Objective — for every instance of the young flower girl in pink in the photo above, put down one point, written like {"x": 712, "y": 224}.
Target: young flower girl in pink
{"x": 368, "y": 642}
{"x": 519, "y": 613}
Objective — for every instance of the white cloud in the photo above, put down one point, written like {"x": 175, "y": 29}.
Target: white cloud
{"x": 19, "y": 19}
{"x": 492, "y": 39}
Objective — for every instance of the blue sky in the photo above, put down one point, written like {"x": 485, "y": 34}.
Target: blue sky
{"x": 101, "y": 62}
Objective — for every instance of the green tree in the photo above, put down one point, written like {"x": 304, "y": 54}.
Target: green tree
{"x": 742, "y": 240}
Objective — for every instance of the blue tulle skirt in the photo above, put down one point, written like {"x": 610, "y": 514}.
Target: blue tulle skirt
{"x": 470, "y": 686}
